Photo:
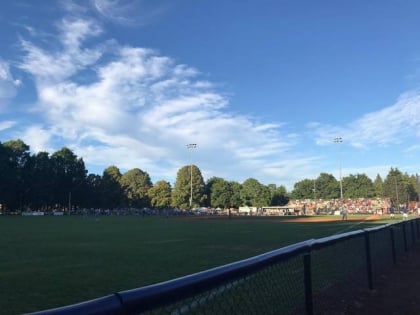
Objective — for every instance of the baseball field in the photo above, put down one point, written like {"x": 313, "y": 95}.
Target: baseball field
{"x": 49, "y": 261}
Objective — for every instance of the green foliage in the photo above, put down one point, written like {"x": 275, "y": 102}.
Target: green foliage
{"x": 189, "y": 180}
{"x": 279, "y": 196}
{"x": 160, "y": 195}
{"x": 14, "y": 187}
{"x": 327, "y": 187}
{"x": 45, "y": 182}
{"x": 69, "y": 177}
{"x": 304, "y": 189}
{"x": 254, "y": 194}
{"x": 112, "y": 193}
{"x": 136, "y": 183}
{"x": 220, "y": 192}
{"x": 378, "y": 185}
{"x": 358, "y": 186}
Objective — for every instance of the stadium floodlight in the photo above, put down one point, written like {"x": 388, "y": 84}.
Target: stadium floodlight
{"x": 190, "y": 147}
{"x": 338, "y": 140}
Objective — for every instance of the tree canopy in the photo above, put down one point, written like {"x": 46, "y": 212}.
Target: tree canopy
{"x": 45, "y": 181}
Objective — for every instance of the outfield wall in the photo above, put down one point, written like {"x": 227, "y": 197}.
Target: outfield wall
{"x": 304, "y": 278}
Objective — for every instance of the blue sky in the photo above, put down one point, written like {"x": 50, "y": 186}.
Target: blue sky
{"x": 261, "y": 86}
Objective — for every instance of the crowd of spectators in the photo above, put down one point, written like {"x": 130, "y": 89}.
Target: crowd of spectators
{"x": 353, "y": 206}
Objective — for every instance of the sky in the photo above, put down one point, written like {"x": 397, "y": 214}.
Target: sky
{"x": 263, "y": 87}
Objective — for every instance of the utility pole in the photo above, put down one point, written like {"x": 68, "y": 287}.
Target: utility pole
{"x": 190, "y": 147}
{"x": 338, "y": 140}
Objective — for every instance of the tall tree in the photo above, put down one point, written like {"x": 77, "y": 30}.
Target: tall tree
{"x": 254, "y": 194}
{"x": 220, "y": 192}
{"x": 93, "y": 190}
{"x": 188, "y": 178}
{"x": 358, "y": 186}
{"x": 136, "y": 183}
{"x": 70, "y": 178}
{"x": 304, "y": 189}
{"x": 42, "y": 181}
{"x": 160, "y": 195}
{"x": 378, "y": 184}
{"x": 15, "y": 187}
{"x": 235, "y": 199}
{"x": 327, "y": 187}
{"x": 279, "y": 196}
{"x": 398, "y": 187}
{"x": 112, "y": 193}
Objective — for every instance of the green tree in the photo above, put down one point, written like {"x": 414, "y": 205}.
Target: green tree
{"x": 69, "y": 178}
{"x": 235, "y": 200}
{"x": 181, "y": 193}
{"x": 378, "y": 185}
{"x": 279, "y": 196}
{"x": 254, "y": 194}
{"x": 15, "y": 174}
{"x": 160, "y": 194}
{"x": 112, "y": 194}
{"x": 41, "y": 181}
{"x": 220, "y": 192}
{"x": 399, "y": 187}
{"x": 358, "y": 186}
{"x": 93, "y": 190}
{"x": 136, "y": 183}
{"x": 304, "y": 189}
{"x": 327, "y": 187}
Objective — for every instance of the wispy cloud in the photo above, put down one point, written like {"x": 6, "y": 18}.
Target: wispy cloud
{"x": 137, "y": 108}
{"x": 4, "y": 125}
{"x": 8, "y": 85}
{"x": 48, "y": 65}
{"x": 131, "y": 12}
{"x": 390, "y": 125}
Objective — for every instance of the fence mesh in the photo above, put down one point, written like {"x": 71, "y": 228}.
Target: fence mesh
{"x": 337, "y": 269}
{"x": 277, "y": 289}
{"x": 381, "y": 253}
{"x": 399, "y": 239}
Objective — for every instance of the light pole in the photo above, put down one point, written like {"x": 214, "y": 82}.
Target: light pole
{"x": 338, "y": 140}
{"x": 190, "y": 147}
{"x": 396, "y": 192}
{"x": 418, "y": 182}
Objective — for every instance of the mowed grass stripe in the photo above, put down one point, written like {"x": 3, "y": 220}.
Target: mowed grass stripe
{"x": 48, "y": 262}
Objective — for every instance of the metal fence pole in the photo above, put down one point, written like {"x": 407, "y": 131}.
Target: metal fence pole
{"x": 405, "y": 236}
{"x": 413, "y": 232}
{"x": 308, "y": 283}
{"x": 368, "y": 261}
{"x": 394, "y": 254}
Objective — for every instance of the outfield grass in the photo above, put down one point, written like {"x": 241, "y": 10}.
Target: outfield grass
{"x": 48, "y": 262}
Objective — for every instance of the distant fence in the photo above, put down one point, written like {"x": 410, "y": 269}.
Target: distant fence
{"x": 303, "y": 278}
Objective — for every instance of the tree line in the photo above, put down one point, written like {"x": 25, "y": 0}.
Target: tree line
{"x": 43, "y": 181}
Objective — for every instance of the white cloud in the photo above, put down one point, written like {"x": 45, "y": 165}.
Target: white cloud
{"x": 38, "y": 138}
{"x": 55, "y": 66}
{"x": 139, "y": 109}
{"x": 390, "y": 125}
{"x": 4, "y": 125}
{"x": 8, "y": 85}
{"x": 131, "y": 12}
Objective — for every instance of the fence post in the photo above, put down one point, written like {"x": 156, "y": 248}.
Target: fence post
{"x": 405, "y": 237}
{"x": 368, "y": 261}
{"x": 394, "y": 254}
{"x": 308, "y": 283}
{"x": 413, "y": 233}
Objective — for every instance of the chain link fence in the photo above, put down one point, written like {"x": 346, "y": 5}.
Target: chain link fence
{"x": 311, "y": 277}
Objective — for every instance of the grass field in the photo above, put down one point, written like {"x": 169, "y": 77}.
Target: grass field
{"x": 48, "y": 262}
